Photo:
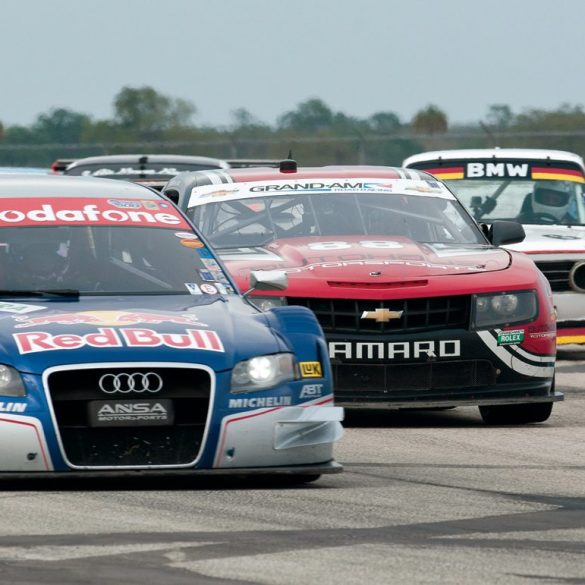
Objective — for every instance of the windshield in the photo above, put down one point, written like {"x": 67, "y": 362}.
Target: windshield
{"x": 121, "y": 247}
{"x": 250, "y": 222}
{"x": 526, "y": 201}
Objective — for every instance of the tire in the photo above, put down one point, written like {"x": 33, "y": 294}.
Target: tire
{"x": 516, "y": 414}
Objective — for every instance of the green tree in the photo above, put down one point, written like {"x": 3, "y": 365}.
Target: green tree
{"x": 61, "y": 126}
{"x": 312, "y": 115}
{"x": 384, "y": 122}
{"x": 148, "y": 113}
{"x": 430, "y": 120}
{"x": 500, "y": 116}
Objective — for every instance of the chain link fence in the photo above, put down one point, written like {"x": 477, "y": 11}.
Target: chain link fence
{"x": 374, "y": 149}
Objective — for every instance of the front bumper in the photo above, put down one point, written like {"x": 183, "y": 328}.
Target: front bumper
{"x": 570, "y": 307}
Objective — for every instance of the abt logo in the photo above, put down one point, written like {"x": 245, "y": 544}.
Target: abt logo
{"x": 311, "y": 391}
{"x": 500, "y": 169}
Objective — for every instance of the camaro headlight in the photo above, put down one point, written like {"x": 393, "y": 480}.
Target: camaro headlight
{"x": 267, "y": 303}
{"x": 10, "y": 382}
{"x": 263, "y": 372}
{"x": 504, "y": 309}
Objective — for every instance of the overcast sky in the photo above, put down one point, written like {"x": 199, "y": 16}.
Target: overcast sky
{"x": 267, "y": 56}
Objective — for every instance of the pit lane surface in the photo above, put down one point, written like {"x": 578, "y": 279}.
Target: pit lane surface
{"x": 433, "y": 497}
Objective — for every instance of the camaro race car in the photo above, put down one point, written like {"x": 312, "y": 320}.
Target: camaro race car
{"x": 125, "y": 346}
{"x": 542, "y": 189}
{"x": 152, "y": 170}
{"x": 419, "y": 308}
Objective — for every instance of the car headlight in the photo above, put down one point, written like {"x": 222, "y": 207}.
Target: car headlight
{"x": 263, "y": 372}
{"x": 267, "y": 303}
{"x": 10, "y": 382}
{"x": 504, "y": 309}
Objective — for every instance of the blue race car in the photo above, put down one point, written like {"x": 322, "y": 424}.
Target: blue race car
{"x": 126, "y": 346}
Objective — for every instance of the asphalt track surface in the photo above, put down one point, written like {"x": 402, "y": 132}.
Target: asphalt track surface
{"x": 426, "y": 497}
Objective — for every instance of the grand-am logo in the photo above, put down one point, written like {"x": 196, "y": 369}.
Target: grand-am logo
{"x": 499, "y": 169}
{"x": 394, "y": 350}
{"x": 108, "y": 318}
{"x": 30, "y": 211}
{"x": 35, "y": 341}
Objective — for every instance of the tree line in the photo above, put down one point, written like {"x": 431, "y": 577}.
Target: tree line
{"x": 146, "y": 120}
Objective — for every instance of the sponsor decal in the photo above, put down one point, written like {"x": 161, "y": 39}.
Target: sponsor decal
{"x": 31, "y": 211}
{"x": 104, "y": 172}
{"x": 193, "y": 244}
{"x": 561, "y": 237}
{"x": 262, "y": 402}
{"x": 382, "y": 315}
{"x": 511, "y": 337}
{"x": 311, "y": 391}
{"x": 207, "y": 275}
{"x": 209, "y": 289}
{"x": 478, "y": 170}
{"x": 125, "y": 204}
{"x": 40, "y": 341}
{"x": 186, "y": 236}
{"x": 339, "y": 245}
{"x": 395, "y": 350}
{"x": 311, "y": 369}
{"x": 19, "y": 308}
{"x": 211, "y": 264}
{"x": 130, "y": 413}
{"x": 193, "y": 288}
{"x": 108, "y": 318}
{"x": 421, "y": 263}
{"x": 13, "y": 406}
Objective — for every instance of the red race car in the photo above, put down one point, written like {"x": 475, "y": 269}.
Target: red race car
{"x": 420, "y": 307}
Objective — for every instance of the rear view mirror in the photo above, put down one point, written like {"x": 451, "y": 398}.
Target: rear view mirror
{"x": 506, "y": 232}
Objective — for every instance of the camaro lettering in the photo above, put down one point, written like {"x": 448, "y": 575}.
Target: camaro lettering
{"x": 35, "y": 341}
{"x": 263, "y": 402}
{"x": 394, "y": 350}
{"x": 500, "y": 169}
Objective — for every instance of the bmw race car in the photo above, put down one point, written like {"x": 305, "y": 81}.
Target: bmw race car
{"x": 419, "y": 307}
{"x": 152, "y": 170}
{"x": 125, "y": 346}
{"x": 542, "y": 189}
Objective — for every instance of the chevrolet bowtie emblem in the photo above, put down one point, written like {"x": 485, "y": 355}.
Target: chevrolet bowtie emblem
{"x": 382, "y": 315}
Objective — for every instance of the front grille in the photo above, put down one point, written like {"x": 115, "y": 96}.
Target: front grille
{"x": 557, "y": 273}
{"x": 418, "y": 315}
{"x": 386, "y": 380}
{"x": 179, "y": 443}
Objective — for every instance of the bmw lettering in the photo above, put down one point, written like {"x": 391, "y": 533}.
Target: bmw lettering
{"x": 419, "y": 306}
{"x": 126, "y": 345}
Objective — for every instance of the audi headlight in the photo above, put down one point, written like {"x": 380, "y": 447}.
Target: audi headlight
{"x": 10, "y": 382}
{"x": 504, "y": 309}
{"x": 267, "y": 303}
{"x": 263, "y": 372}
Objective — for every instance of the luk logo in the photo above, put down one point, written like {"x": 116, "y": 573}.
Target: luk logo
{"x": 500, "y": 169}
{"x": 311, "y": 370}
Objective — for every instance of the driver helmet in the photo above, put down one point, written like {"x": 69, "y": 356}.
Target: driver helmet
{"x": 552, "y": 198}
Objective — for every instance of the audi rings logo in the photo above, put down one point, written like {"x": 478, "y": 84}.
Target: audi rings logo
{"x": 124, "y": 383}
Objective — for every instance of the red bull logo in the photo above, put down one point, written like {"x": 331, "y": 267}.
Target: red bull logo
{"x": 36, "y": 341}
{"x": 108, "y": 319}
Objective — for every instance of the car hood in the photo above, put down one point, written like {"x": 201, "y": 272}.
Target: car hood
{"x": 551, "y": 238}
{"x": 354, "y": 259}
{"x": 35, "y": 335}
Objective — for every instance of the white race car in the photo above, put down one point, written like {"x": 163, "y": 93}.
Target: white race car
{"x": 543, "y": 190}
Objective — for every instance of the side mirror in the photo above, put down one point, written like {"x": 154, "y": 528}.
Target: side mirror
{"x": 268, "y": 280}
{"x": 506, "y": 232}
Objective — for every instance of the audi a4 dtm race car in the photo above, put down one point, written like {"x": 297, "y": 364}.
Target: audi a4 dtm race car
{"x": 125, "y": 346}
{"x": 419, "y": 307}
{"x": 543, "y": 190}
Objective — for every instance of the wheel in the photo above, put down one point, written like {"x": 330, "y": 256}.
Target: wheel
{"x": 516, "y": 414}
